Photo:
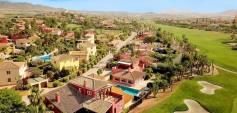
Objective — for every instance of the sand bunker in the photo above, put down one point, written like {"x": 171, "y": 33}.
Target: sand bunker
{"x": 193, "y": 107}
{"x": 208, "y": 88}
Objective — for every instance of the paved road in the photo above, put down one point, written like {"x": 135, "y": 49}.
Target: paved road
{"x": 102, "y": 63}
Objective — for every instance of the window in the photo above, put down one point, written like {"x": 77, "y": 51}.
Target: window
{"x": 9, "y": 80}
{"x": 117, "y": 79}
{"x": 130, "y": 82}
{"x": 89, "y": 93}
{"x": 8, "y": 72}
{"x": 123, "y": 80}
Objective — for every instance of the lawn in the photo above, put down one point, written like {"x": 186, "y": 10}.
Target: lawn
{"x": 209, "y": 43}
{"x": 221, "y": 102}
{"x": 225, "y": 100}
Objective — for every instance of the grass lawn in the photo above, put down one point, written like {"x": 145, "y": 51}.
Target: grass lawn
{"x": 225, "y": 99}
{"x": 221, "y": 102}
{"x": 73, "y": 26}
{"x": 209, "y": 43}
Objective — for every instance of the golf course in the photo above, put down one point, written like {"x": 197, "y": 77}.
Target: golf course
{"x": 225, "y": 99}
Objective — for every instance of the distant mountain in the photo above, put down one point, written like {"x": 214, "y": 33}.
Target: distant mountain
{"x": 27, "y": 8}
{"x": 16, "y": 8}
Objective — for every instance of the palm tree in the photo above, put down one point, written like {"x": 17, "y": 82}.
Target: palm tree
{"x": 37, "y": 105}
{"x": 155, "y": 85}
{"x": 149, "y": 72}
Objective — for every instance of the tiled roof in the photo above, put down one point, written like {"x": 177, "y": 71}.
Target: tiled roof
{"x": 70, "y": 100}
{"x": 90, "y": 83}
{"x": 135, "y": 75}
{"x": 98, "y": 106}
{"x": 10, "y": 64}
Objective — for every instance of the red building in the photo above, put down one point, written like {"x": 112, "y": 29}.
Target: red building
{"x": 82, "y": 95}
{"x": 3, "y": 39}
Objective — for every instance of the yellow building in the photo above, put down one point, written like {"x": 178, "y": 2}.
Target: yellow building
{"x": 65, "y": 61}
{"x": 7, "y": 48}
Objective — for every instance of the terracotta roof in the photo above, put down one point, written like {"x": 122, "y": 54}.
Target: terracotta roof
{"x": 33, "y": 38}
{"x": 91, "y": 83}
{"x": 4, "y": 45}
{"x": 71, "y": 100}
{"x": 11, "y": 64}
{"x": 135, "y": 75}
{"x": 24, "y": 40}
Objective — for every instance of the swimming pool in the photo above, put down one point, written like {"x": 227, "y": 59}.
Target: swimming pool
{"x": 44, "y": 58}
{"x": 128, "y": 90}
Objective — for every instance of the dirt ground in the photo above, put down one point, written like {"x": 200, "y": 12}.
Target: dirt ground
{"x": 151, "y": 101}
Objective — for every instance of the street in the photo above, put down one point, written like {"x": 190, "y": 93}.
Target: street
{"x": 102, "y": 63}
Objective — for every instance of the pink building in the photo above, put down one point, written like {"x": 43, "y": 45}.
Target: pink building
{"x": 85, "y": 94}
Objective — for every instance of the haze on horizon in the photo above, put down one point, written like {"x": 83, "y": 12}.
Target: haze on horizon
{"x": 205, "y": 6}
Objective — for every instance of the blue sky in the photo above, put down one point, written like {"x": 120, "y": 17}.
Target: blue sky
{"x": 139, "y": 5}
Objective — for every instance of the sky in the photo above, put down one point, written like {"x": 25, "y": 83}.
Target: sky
{"x": 139, "y": 5}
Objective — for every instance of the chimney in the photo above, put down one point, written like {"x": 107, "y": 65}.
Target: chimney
{"x": 85, "y": 83}
{"x": 57, "y": 97}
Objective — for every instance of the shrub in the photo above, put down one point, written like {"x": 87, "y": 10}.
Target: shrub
{"x": 65, "y": 79}
{"x": 72, "y": 76}
{"x": 56, "y": 83}
{"x": 181, "y": 107}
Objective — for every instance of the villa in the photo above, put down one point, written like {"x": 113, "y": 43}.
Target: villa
{"x": 84, "y": 94}
{"x": 12, "y": 72}
{"x": 69, "y": 35}
{"x": 128, "y": 77}
{"x": 85, "y": 46}
{"x": 65, "y": 61}
{"x": 22, "y": 43}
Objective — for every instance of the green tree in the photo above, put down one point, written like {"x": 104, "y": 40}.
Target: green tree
{"x": 37, "y": 104}
{"x": 155, "y": 85}
{"x": 10, "y": 101}
{"x": 99, "y": 71}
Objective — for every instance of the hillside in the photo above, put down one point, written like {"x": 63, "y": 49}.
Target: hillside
{"x": 26, "y": 8}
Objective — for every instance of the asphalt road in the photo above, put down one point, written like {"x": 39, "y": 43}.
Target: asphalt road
{"x": 102, "y": 63}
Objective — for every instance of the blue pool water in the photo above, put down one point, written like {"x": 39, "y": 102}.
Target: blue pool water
{"x": 44, "y": 58}
{"x": 128, "y": 90}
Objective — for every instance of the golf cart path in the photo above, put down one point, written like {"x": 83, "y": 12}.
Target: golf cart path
{"x": 193, "y": 107}
{"x": 208, "y": 88}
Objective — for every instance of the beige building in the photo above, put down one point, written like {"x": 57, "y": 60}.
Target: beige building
{"x": 65, "y": 61}
{"x": 12, "y": 72}
{"x": 85, "y": 47}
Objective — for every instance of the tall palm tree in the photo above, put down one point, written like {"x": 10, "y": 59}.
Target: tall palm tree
{"x": 155, "y": 84}
{"x": 37, "y": 104}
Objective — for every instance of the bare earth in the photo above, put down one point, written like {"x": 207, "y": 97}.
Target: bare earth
{"x": 151, "y": 101}
{"x": 193, "y": 107}
{"x": 208, "y": 88}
